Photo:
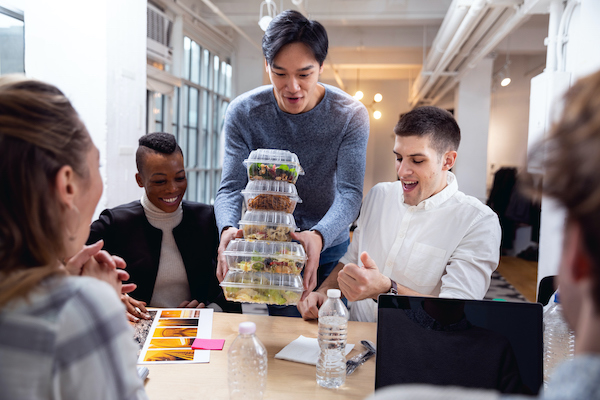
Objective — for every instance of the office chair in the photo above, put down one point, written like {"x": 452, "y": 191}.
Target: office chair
{"x": 546, "y": 289}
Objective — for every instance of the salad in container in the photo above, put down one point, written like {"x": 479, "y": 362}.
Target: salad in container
{"x": 273, "y": 164}
{"x": 262, "y": 287}
{"x": 271, "y": 196}
{"x": 268, "y": 225}
{"x": 262, "y": 256}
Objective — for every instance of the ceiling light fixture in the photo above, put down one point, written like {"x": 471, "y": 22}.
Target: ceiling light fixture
{"x": 504, "y": 73}
{"x": 376, "y": 99}
{"x": 265, "y": 19}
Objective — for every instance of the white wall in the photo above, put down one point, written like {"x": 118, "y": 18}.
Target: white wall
{"x": 126, "y": 97}
{"x": 509, "y": 114}
{"x": 95, "y": 53}
{"x": 248, "y": 63}
{"x": 472, "y": 113}
{"x": 380, "y": 158}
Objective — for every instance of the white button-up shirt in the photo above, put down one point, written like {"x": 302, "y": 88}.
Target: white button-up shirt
{"x": 447, "y": 245}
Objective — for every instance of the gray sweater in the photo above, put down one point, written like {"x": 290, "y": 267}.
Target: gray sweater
{"x": 330, "y": 141}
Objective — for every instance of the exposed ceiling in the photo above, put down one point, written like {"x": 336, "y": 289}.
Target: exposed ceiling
{"x": 338, "y": 12}
{"x": 383, "y": 39}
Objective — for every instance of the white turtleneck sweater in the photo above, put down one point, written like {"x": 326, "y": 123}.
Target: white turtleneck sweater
{"x": 172, "y": 286}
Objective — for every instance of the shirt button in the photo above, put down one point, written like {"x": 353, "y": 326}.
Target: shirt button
{"x": 401, "y": 235}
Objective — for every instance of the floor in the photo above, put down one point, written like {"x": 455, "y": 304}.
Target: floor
{"x": 521, "y": 274}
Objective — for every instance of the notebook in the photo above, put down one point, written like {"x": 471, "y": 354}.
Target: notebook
{"x": 472, "y": 343}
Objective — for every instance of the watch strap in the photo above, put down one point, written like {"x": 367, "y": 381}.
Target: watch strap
{"x": 394, "y": 288}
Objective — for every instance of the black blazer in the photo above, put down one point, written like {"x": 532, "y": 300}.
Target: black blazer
{"x": 128, "y": 234}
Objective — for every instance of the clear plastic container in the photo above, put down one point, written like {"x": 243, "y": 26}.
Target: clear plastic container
{"x": 273, "y": 164}
{"x": 271, "y": 196}
{"x": 333, "y": 331}
{"x": 559, "y": 339}
{"x": 268, "y": 225}
{"x": 247, "y": 365}
{"x": 262, "y": 287}
{"x": 262, "y": 256}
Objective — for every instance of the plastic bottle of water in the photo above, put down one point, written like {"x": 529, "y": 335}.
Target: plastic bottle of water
{"x": 247, "y": 365}
{"x": 559, "y": 339}
{"x": 333, "y": 330}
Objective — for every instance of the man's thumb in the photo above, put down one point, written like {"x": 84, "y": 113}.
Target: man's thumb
{"x": 367, "y": 261}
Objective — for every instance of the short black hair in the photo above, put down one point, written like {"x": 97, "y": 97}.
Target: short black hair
{"x": 431, "y": 121}
{"x": 157, "y": 142}
{"x": 292, "y": 27}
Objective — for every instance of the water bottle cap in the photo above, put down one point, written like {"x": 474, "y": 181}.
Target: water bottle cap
{"x": 335, "y": 293}
{"x": 247, "y": 328}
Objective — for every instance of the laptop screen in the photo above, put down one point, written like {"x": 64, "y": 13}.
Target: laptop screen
{"x": 471, "y": 343}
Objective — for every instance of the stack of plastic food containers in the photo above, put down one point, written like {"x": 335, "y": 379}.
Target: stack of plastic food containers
{"x": 265, "y": 266}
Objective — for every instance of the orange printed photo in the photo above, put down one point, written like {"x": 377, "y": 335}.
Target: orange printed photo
{"x": 169, "y": 355}
{"x": 171, "y": 343}
{"x": 175, "y": 332}
{"x": 178, "y": 322}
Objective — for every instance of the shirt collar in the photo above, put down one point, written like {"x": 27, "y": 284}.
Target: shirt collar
{"x": 438, "y": 199}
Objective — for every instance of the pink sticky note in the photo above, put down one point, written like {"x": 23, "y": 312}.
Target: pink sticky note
{"x": 208, "y": 344}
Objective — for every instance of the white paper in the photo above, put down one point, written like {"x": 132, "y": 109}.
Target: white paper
{"x": 304, "y": 350}
{"x": 201, "y": 320}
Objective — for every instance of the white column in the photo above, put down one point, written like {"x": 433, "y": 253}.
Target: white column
{"x": 96, "y": 54}
{"x": 472, "y": 112}
{"x": 126, "y": 97}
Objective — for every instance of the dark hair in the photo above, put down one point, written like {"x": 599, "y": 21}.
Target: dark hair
{"x": 157, "y": 142}
{"x": 572, "y": 166}
{"x": 431, "y": 121}
{"x": 292, "y": 27}
{"x": 40, "y": 132}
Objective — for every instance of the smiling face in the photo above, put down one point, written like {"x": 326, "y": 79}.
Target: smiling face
{"x": 295, "y": 75}
{"x": 420, "y": 168}
{"x": 163, "y": 178}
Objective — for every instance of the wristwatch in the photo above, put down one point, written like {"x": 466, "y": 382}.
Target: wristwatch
{"x": 394, "y": 288}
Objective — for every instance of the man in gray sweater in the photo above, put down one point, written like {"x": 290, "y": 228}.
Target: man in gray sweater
{"x": 323, "y": 125}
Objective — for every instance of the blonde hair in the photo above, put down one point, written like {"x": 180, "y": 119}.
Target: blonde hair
{"x": 40, "y": 132}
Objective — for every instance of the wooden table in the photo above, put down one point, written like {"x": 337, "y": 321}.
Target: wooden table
{"x": 286, "y": 380}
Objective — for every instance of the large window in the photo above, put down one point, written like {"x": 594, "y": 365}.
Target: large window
{"x": 12, "y": 41}
{"x": 204, "y": 96}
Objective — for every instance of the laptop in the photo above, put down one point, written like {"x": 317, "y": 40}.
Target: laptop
{"x": 471, "y": 343}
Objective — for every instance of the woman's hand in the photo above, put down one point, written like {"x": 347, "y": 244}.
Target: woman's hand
{"x": 136, "y": 309}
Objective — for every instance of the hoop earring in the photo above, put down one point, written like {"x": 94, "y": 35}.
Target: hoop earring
{"x": 71, "y": 233}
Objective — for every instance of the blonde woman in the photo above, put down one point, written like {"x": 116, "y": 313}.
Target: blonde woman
{"x": 61, "y": 336}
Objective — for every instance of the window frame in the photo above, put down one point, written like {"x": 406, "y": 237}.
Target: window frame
{"x": 204, "y": 165}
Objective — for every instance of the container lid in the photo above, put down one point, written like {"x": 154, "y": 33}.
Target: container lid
{"x": 334, "y": 293}
{"x": 291, "y": 250}
{"x": 247, "y": 328}
{"x": 272, "y": 187}
{"x": 260, "y": 217}
{"x": 274, "y": 156}
{"x": 262, "y": 280}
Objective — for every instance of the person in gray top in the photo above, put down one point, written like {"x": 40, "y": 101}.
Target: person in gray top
{"x": 323, "y": 125}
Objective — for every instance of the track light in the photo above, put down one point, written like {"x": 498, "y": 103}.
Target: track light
{"x": 378, "y": 97}
{"x": 359, "y": 95}
{"x": 265, "y": 19}
{"x": 376, "y": 114}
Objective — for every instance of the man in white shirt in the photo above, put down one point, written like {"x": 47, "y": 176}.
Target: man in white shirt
{"x": 419, "y": 235}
